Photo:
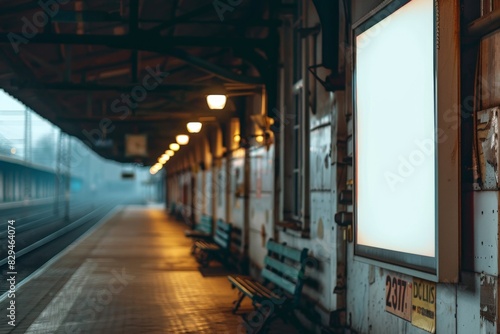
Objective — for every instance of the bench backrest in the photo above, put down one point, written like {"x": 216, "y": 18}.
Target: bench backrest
{"x": 285, "y": 267}
{"x": 205, "y": 224}
{"x": 222, "y": 235}
{"x": 237, "y": 255}
{"x": 236, "y": 242}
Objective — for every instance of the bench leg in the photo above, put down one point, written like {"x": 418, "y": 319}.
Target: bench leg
{"x": 205, "y": 262}
{"x": 203, "y": 258}
{"x": 259, "y": 320}
{"x": 238, "y": 302}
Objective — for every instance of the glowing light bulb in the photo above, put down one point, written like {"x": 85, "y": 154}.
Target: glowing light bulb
{"x": 194, "y": 127}
{"x": 174, "y": 147}
{"x": 182, "y": 139}
{"x": 216, "y": 102}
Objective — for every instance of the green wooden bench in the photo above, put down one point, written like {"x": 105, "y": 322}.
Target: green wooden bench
{"x": 217, "y": 248}
{"x": 172, "y": 208}
{"x": 280, "y": 292}
{"x": 201, "y": 231}
{"x": 237, "y": 255}
{"x": 179, "y": 209}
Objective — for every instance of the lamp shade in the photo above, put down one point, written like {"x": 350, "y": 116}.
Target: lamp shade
{"x": 174, "y": 147}
{"x": 182, "y": 139}
{"x": 194, "y": 127}
{"x": 163, "y": 159}
{"x": 216, "y": 102}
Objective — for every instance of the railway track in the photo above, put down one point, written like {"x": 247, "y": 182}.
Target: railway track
{"x": 40, "y": 239}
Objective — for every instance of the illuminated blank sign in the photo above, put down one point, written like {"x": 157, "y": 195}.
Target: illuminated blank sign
{"x": 395, "y": 142}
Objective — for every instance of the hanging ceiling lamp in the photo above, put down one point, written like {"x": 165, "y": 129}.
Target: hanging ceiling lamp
{"x": 174, "y": 147}
{"x": 182, "y": 139}
{"x": 194, "y": 127}
{"x": 216, "y": 101}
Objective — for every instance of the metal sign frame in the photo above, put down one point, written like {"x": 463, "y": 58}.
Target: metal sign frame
{"x": 444, "y": 266}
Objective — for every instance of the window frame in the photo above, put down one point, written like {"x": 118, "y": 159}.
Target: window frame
{"x": 295, "y": 157}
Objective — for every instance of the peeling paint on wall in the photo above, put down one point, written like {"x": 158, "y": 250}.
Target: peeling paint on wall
{"x": 488, "y": 298}
{"x": 489, "y": 157}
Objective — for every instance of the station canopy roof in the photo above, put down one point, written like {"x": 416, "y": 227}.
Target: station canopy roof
{"x": 105, "y": 69}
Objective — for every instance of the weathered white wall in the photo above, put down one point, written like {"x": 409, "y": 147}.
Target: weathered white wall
{"x": 220, "y": 182}
{"x": 459, "y": 306}
{"x": 236, "y": 195}
{"x": 208, "y": 208}
{"x": 260, "y": 203}
{"x": 199, "y": 196}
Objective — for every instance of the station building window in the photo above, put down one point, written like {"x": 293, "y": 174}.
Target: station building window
{"x": 295, "y": 122}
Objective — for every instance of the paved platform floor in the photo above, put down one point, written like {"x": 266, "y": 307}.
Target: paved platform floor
{"x": 133, "y": 274}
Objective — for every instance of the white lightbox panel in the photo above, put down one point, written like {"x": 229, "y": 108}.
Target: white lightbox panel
{"x": 395, "y": 132}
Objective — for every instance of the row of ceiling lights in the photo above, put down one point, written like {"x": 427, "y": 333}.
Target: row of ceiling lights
{"x": 182, "y": 139}
{"x": 215, "y": 102}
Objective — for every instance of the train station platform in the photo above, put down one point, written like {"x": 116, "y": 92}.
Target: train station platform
{"x": 133, "y": 273}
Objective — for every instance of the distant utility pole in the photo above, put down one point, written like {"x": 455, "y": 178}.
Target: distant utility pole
{"x": 27, "y": 135}
{"x": 27, "y": 153}
{"x": 68, "y": 179}
{"x": 58, "y": 175}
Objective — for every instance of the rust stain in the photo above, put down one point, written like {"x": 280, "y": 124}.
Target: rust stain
{"x": 488, "y": 308}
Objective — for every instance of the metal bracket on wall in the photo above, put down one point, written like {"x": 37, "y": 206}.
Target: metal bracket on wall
{"x": 332, "y": 83}
{"x": 344, "y": 219}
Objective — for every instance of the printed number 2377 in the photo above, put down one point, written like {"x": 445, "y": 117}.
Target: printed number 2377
{"x": 395, "y": 292}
